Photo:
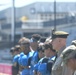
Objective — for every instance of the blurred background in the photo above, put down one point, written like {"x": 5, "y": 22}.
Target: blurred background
{"x": 20, "y": 18}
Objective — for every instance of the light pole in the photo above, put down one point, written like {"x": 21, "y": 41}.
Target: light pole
{"x": 54, "y": 15}
{"x": 13, "y": 23}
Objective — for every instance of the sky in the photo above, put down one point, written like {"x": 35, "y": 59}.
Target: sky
{"x": 19, "y": 3}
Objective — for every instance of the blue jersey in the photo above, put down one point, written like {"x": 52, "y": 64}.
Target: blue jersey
{"x": 19, "y": 60}
{"x": 24, "y": 63}
{"x": 42, "y": 68}
{"x": 16, "y": 57}
{"x": 15, "y": 62}
{"x": 34, "y": 60}
{"x": 43, "y": 65}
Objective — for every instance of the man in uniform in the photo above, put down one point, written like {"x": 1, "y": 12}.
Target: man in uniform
{"x": 59, "y": 44}
{"x": 34, "y": 45}
{"x": 25, "y": 45}
{"x": 15, "y": 59}
{"x": 69, "y": 57}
